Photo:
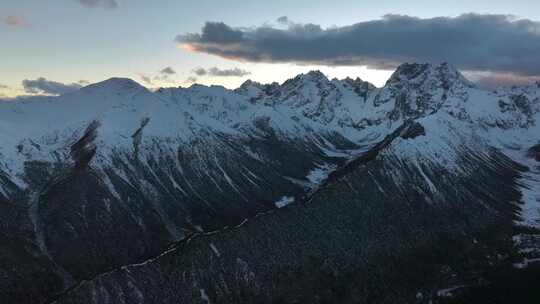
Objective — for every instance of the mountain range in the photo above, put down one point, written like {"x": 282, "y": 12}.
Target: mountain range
{"x": 309, "y": 191}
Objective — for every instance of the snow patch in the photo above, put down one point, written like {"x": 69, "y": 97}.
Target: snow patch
{"x": 215, "y": 250}
{"x": 284, "y": 201}
{"x": 319, "y": 173}
{"x": 3, "y": 192}
{"x": 525, "y": 263}
{"x": 449, "y": 292}
{"x": 204, "y": 295}
{"x": 530, "y": 210}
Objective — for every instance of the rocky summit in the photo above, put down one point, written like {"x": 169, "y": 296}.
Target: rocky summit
{"x": 426, "y": 190}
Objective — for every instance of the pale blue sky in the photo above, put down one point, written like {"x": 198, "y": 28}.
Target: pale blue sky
{"x": 65, "y": 41}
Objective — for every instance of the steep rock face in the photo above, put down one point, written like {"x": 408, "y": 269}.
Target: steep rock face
{"x": 519, "y": 105}
{"x": 415, "y": 130}
{"x": 361, "y": 88}
{"x": 312, "y": 94}
{"x": 416, "y": 90}
{"x": 118, "y": 164}
{"x": 534, "y": 152}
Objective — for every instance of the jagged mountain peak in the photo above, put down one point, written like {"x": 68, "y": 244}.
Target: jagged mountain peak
{"x": 201, "y": 87}
{"x": 417, "y": 89}
{"x": 250, "y": 88}
{"x": 313, "y": 77}
{"x": 195, "y": 90}
{"x": 307, "y": 87}
{"x": 249, "y": 83}
{"x": 413, "y": 75}
{"x": 357, "y": 80}
{"x": 360, "y": 87}
{"x": 410, "y": 71}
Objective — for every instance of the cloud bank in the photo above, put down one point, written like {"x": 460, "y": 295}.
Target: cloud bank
{"x": 472, "y": 42}
{"x": 49, "y": 87}
{"x": 109, "y": 4}
{"x": 236, "y": 72}
{"x": 191, "y": 79}
{"x": 165, "y": 75}
{"x": 493, "y": 80}
{"x": 146, "y": 79}
{"x": 167, "y": 71}
{"x": 15, "y": 21}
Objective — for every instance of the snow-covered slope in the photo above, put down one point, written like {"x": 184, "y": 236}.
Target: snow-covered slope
{"x": 112, "y": 173}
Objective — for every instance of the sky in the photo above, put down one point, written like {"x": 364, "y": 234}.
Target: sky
{"x": 56, "y": 46}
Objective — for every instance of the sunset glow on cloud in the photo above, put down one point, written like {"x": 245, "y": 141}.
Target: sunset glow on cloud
{"x": 280, "y": 40}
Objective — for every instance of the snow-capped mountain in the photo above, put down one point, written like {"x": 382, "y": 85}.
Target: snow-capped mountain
{"x": 113, "y": 174}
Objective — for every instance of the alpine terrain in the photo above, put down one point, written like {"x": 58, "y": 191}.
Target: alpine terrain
{"x": 426, "y": 190}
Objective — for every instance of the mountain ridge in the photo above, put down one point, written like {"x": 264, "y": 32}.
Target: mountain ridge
{"x": 159, "y": 166}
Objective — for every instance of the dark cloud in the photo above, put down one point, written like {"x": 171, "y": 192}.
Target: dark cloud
{"x": 472, "y": 42}
{"x": 284, "y": 20}
{"x": 110, "y": 4}
{"x": 215, "y": 32}
{"x": 164, "y": 75}
{"x": 191, "y": 79}
{"x": 493, "y": 80}
{"x": 164, "y": 78}
{"x": 168, "y": 71}
{"x": 200, "y": 72}
{"x": 2, "y": 86}
{"x": 146, "y": 79}
{"x": 236, "y": 72}
{"x": 15, "y": 21}
{"x": 44, "y": 86}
